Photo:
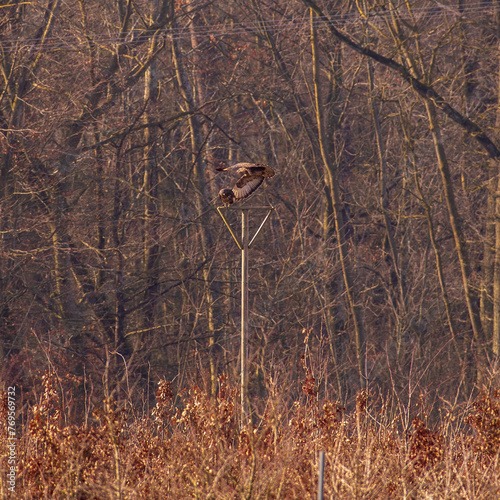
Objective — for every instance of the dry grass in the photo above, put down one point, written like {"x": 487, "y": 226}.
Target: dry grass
{"x": 197, "y": 449}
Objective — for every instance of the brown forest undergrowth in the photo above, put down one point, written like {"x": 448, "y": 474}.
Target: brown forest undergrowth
{"x": 192, "y": 446}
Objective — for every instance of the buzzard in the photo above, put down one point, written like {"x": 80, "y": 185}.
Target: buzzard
{"x": 252, "y": 175}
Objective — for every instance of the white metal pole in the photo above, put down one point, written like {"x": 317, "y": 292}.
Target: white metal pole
{"x": 244, "y": 245}
{"x": 321, "y": 474}
{"x": 244, "y": 316}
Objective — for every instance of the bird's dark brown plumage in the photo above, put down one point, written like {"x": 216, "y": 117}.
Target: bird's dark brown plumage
{"x": 252, "y": 176}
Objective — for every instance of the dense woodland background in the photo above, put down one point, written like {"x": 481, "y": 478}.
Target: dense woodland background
{"x": 380, "y": 267}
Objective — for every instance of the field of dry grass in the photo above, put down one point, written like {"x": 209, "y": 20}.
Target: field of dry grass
{"x": 197, "y": 449}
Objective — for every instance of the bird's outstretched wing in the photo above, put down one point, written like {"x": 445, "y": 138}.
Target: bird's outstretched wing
{"x": 246, "y": 186}
{"x": 252, "y": 176}
{"x": 249, "y": 168}
{"x": 235, "y": 168}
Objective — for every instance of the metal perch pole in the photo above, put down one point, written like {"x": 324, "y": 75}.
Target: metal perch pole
{"x": 321, "y": 474}
{"x": 244, "y": 316}
{"x": 244, "y": 245}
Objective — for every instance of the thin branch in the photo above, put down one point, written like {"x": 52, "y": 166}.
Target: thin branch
{"x": 424, "y": 90}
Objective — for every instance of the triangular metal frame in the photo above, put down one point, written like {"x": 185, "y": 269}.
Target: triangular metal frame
{"x": 233, "y": 234}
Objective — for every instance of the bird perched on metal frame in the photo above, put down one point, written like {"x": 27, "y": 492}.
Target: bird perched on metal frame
{"x": 252, "y": 176}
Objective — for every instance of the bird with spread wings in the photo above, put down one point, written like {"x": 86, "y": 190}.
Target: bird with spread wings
{"x": 252, "y": 176}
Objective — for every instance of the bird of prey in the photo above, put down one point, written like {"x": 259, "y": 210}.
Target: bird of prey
{"x": 252, "y": 175}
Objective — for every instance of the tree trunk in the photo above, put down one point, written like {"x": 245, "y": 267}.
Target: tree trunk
{"x": 201, "y": 198}
{"x": 331, "y": 169}
{"x": 152, "y": 249}
{"x": 496, "y": 194}
{"x": 455, "y": 222}
{"x": 396, "y": 274}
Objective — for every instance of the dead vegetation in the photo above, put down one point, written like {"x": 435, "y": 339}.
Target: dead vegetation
{"x": 196, "y": 448}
